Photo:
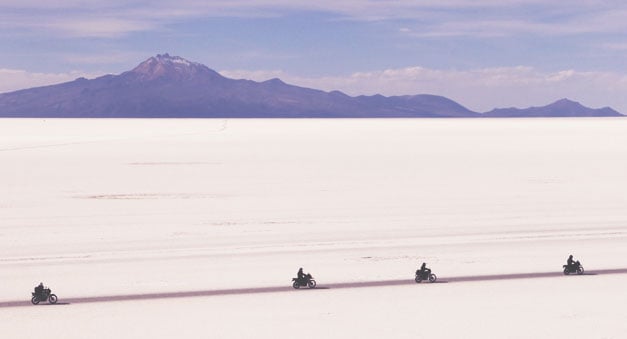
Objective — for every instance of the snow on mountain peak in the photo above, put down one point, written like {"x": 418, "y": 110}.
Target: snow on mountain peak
{"x": 166, "y": 66}
{"x": 166, "y": 58}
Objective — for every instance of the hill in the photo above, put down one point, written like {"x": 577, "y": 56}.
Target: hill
{"x": 167, "y": 86}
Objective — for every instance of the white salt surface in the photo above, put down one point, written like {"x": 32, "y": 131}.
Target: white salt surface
{"x": 124, "y": 207}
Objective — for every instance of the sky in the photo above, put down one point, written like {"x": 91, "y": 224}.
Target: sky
{"x": 482, "y": 53}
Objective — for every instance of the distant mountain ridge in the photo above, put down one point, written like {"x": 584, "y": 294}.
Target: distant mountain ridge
{"x": 167, "y": 86}
{"x": 560, "y": 108}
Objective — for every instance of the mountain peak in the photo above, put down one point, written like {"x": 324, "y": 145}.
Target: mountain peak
{"x": 566, "y": 102}
{"x": 170, "y": 68}
{"x": 560, "y": 108}
{"x": 167, "y": 59}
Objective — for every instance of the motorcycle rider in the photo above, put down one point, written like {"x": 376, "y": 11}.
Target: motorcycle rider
{"x": 423, "y": 269}
{"x": 300, "y": 275}
{"x": 39, "y": 289}
{"x": 570, "y": 262}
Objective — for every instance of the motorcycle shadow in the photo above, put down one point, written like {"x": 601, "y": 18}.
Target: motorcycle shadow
{"x": 57, "y": 304}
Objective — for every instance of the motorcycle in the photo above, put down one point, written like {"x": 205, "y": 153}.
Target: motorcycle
{"x": 43, "y": 296}
{"x": 426, "y": 275}
{"x": 574, "y": 268}
{"x": 307, "y": 281}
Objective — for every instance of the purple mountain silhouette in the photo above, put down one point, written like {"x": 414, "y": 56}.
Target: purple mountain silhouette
{"x": 560, "y": 108}
{"x": 167, "y": 86}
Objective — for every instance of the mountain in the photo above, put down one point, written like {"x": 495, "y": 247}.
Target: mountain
{"x": 560, "y": 108}
{"x": 172, "y": 87}
{"x": 167, "y": 86}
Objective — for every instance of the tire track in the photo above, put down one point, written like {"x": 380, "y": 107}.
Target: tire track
{"x": 288, "y": 288}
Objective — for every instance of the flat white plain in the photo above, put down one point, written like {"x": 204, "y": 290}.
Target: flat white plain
{"x": 120, "y": 207}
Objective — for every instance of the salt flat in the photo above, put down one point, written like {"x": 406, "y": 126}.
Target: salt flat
{"x": 129, "y": 207}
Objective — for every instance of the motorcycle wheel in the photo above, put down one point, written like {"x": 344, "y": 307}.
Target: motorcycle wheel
{"x": 580, "y": 270}
{"x": 296, "y": 285}
{"x": 432, "y": 278}
{"x": 566, "y": 271}
{"x": 418, "y": 279}
{"x": 53, "y": 299}
{"x": 311, "y": 284}
{"x": 34, "y": 300}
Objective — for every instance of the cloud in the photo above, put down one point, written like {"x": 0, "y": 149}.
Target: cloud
{"x": 15, "y": 79}
{"x": 98, "y": 27}
{"x": 478, "y": 89}
{"x": 111, "y": 57}
{"x": 430, "y": 18}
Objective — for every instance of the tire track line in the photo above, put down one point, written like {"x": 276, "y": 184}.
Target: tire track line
{"x": 287, "y": 288}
